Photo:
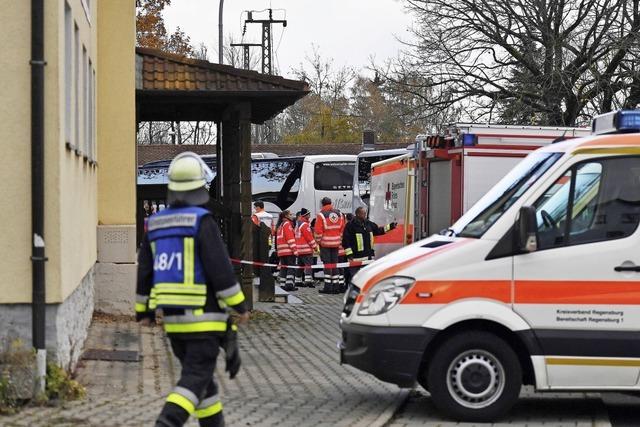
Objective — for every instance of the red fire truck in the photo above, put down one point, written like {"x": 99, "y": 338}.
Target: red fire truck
{"x": 428, "y": 190}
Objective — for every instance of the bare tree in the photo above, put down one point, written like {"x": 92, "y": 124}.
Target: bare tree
{"x": 187, "y": 133}
{"x": 329, "y": 98}
{"x": 327, "y": 83}
{"x": 553, "y": 62}
{"x": 201, "y": 52}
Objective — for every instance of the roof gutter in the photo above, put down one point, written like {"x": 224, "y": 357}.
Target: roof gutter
{"x": 38, "y": 257}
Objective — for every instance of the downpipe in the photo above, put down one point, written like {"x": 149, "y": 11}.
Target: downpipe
{"x": 38, "y": 257}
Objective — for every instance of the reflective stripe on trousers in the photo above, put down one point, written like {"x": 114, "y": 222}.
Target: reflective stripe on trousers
{"x": 209, "y": 407}
{"x": 184, "y": 398}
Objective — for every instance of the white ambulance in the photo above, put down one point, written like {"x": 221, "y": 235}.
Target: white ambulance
{"x": 538, "y": 283}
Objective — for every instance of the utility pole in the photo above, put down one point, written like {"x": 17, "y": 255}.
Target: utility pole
{"x": 267, "y": 50}
{"x": 245, "y": 53}
{"x": 267, "y": 55}
{"x": 220, "y": 33}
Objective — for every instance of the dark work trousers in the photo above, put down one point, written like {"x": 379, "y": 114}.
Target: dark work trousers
{"x": 304, "y": 276}
{"x": 342, "y": 274}
{"x": 347, "y": 275}
{"x": 354, "y": 270}
{"x": 330, "y": 256}
{"x": 287, "y": 275}
{"x": 198, "y": 360}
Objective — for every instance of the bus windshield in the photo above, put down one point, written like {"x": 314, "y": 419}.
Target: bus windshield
{"x": 276, "y": 181}
{"x": 503, "y": 195}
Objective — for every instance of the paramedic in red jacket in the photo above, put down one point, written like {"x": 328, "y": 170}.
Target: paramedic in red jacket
{"x": 306, "y": 245}
{"x": 286, "y": 248}
{"x": 329, "y": 227}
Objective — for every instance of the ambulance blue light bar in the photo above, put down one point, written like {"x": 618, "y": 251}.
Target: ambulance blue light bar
{"x": 621, "y": 121}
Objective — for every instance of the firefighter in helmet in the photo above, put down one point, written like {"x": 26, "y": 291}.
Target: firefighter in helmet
{"x": 184, "y": 269}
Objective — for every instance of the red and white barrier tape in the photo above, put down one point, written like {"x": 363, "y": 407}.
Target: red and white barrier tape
{"x": 314, "y": 266}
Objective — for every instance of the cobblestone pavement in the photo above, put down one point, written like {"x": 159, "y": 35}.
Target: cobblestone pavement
{"x": 290, "y": 376}
{"x": 532, "y": 410}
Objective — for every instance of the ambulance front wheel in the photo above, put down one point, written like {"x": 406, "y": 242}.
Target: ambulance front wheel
{"x": 474, "y": 376}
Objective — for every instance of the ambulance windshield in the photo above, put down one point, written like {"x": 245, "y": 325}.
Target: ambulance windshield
{"x": 503, "y": 195}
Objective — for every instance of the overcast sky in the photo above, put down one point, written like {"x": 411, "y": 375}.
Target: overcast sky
{"x": 349, "y": 31}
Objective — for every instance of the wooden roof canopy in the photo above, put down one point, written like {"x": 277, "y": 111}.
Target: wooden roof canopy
{"x": 173, "y": 88}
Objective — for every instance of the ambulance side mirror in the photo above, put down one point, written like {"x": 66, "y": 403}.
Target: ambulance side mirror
{"x": 527, "y": 227}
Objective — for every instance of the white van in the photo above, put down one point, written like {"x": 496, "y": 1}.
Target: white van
{"x": 538, "y": 283}
{"x": 326, "y": 176}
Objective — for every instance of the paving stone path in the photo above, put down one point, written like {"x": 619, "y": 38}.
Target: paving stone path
{"x": 290, "y": 377}
{"x": 533, "y": 410}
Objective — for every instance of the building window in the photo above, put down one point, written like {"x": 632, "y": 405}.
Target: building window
{"x": 76, "y": 94}
{"x": 68, "y": 77}
{"x": 94, "y": 139}
{"x": 86, "y": 6}
{"x": 89, "y": 109}
{"x": 85, "y": 102}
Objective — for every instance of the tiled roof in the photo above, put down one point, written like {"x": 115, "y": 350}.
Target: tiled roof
{"x": 157, "y": 70}
{"x": 150, "y": 153}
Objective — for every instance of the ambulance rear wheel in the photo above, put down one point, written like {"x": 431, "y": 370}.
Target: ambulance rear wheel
{"x": 474, "y": 376}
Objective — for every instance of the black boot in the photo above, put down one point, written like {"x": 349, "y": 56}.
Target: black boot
{"x": 327, "y": 288}
{"x": 216, "y": 420}
{"x": 172, "y": 415}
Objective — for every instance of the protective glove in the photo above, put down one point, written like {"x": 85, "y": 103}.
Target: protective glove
{"x": 231, "y": 350}
{"x": 146, "y": 319}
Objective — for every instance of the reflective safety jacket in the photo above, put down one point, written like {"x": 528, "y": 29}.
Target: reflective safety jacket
{"x": 286, "y": 239}
{"x": 184, "y": 269}
{"x": 329, "y": 227}
{"x": 358, "y": 240}
{"x": 305, "y": 242}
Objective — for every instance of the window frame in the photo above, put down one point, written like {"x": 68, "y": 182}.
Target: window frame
{"x": 86, "y": 7}
{"x": 566, "y": 234}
